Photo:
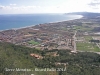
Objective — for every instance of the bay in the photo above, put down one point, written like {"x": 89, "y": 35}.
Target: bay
{"x": 22, "y": 20}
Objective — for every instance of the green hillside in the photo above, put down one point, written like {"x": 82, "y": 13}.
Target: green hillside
{"x": 12, "y": 57}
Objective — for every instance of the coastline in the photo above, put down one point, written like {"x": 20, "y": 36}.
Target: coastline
{"x": 81, "y": 16}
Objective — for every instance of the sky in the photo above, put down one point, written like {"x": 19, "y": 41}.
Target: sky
{"x": 48, "y": 6}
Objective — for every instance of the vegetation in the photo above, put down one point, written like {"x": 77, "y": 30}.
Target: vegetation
{"x": 33, "y": 42}
{"x": 88, "y": 38}
{"x": 87, "y": 44}
{"x": 83, "y": 28}
{"x": 81, "y": 63}
{"x": 83, "y": 46}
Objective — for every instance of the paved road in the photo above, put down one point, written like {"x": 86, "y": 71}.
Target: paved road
{"x": 74, "y": 37}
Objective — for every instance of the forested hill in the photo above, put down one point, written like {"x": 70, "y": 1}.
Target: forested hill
{"x": 12, "y": 56}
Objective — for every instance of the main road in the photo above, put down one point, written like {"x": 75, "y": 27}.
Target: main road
{"x": 74, "y": 37}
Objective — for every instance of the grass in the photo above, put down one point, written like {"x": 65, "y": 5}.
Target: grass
{"x": 87, "y": 38}
{"x": 87, "y": 47}
{"x": 33, "y": 42}
{"x": 82, "y": 28}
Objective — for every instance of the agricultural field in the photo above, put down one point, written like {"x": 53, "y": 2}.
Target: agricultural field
{"x": 83, "y": 28}
{"x": 33, "y": 42}
{"x": 86, "y": 45}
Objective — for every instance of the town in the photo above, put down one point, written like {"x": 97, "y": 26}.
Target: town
{"x": 79, "y": 34}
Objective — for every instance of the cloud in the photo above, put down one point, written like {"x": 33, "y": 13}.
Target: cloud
{"x": 1, "y": 7}
{"x": 13, "y": 9}
{"x": 64, "y": 7}
{"x": 13, "y": 4}
{"x": 94, "y": 3}
{"x": 74, "y": 6}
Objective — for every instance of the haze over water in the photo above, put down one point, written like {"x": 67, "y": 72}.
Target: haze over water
{"x": 23, "y": 20}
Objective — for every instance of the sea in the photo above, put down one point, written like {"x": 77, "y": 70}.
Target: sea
{"x": 11, "y": 21}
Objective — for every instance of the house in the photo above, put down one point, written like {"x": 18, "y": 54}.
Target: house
{"x": 36, "y": 56}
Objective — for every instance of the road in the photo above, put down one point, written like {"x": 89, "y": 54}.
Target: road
{"x": 74, "y": 37}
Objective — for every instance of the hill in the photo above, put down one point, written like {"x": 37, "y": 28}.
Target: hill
{"x": 63, "y": 62}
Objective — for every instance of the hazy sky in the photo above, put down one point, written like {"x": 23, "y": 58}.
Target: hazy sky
{"x": 48, "y": 6}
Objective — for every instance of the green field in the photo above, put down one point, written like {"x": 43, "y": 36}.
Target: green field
{"x": 87, "y": 47}
{"x": 88, "y": 38}
{"x": 82, "y": 28}
{"x": 33, "y": 42}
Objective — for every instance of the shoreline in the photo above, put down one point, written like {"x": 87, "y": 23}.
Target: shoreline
{"x": 81, "y": 16}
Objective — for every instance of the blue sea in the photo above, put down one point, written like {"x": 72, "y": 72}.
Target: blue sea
{"x": 22, "y": 20}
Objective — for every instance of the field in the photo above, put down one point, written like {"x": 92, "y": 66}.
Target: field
{"x": 87, "y": 47}
{"x": 33, "y": 42}
{"x": 87, "y": 38}
{"x": 82, "y": 28}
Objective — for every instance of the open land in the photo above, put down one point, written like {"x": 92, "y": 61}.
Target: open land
{"x": 76, "y": 35}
